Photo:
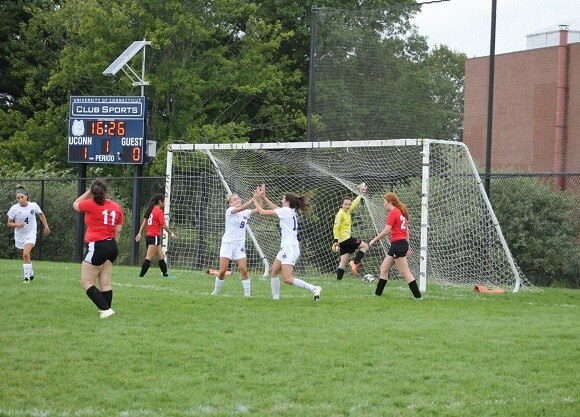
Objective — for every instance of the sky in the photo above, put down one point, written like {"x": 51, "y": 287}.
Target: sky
{"x": 465, "y": 25}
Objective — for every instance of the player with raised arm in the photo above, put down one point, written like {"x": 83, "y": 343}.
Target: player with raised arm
{"x": 154, "y": 218}
{"x": 104, "y": 221}
{"x": 22, "y": 217}
{"x": 396, "y": 225}
{"x": 341, "y": 230}
{"x": 233, "y": 246}
{"x": 289, "y": 245}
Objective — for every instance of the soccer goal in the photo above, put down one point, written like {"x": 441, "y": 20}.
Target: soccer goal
{"x": 455, "y": 235}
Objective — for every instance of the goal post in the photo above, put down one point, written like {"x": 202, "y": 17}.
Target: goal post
{"x": 455, "y": 235}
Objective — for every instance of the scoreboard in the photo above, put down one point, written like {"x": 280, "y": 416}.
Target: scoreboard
{"x": 106, "y": 129}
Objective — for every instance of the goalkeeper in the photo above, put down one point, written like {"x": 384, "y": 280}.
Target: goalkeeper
{"x": 342, "y": 238}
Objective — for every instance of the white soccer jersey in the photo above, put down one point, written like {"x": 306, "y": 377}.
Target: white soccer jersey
{"x": 288, "y": 226}
{"x": 236, "y": 224}
{"x": 27, "y": 215}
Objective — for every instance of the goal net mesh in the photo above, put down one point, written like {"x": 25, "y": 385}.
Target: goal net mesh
{"x": 464, "y": 246}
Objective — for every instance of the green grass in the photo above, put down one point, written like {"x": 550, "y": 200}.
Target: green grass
{"x": 173, "y": 350}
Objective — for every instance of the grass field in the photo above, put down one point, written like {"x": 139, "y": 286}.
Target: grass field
{"x": 174, "y": 350}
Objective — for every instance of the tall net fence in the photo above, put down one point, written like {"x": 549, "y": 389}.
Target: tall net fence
{"x": 464, "y": 245}
{"x": 372, "y": 78}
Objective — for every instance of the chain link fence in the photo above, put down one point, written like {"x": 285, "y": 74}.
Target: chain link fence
{"x": 55, "y": 196}
{"x": 540, "y": 223}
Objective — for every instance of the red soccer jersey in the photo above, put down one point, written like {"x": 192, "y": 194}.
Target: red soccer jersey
{"x": 155, "y": 222}
{"x": 398, "y": 224}
{"x": 100, "y": 220}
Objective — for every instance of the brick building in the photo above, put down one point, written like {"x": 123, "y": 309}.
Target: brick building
{"x": 536, "y": 112}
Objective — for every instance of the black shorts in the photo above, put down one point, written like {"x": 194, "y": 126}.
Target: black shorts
{"x": 97, "y": 253}
{"x": 349, "y": 245}
{"x": 398, "y": 248}
{"x": 153, "y": 240}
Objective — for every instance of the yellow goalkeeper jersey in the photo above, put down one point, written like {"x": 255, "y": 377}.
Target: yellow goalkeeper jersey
{"x": 343, "y": 222}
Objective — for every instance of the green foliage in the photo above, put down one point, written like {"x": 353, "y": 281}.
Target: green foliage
{"x": 173, "y": 350}
{"x": 220, "y": 71}
{"x": 542, "y": 228}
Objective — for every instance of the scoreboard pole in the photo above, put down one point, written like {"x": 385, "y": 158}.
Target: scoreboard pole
{"x": 80, "y": 226}
{"x": 136, "y": 213}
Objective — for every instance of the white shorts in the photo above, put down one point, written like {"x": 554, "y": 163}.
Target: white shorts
{"x": 20, "y": 241}
{"x": 289, "y": 255}
{"x": 233, "y": 250}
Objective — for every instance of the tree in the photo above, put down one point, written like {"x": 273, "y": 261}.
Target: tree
{"x": 224, "y": 70}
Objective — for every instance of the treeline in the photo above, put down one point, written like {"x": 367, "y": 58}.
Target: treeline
{"x": 219, "y": 71}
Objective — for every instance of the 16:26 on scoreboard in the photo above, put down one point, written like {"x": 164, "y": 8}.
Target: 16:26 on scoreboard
{"x": 106, "y": 129}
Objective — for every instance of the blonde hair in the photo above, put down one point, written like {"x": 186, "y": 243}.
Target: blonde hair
{"x": 394, "y": 200}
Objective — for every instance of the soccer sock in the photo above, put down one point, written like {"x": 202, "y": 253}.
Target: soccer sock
{"x": 97, "y": 297}
{"x": 108, "y": 296}
{"x": 415, "y": 289}
{"x": 27, "y": 270}
{"x": 275, "y": 284}
{"x": 358, "y": 256}
{"x": 163, "y": 266}
{"x": 339, "y": 273}
{"x": 247, "y": 287}
{"x": 380, "y": 286}
{"x": 303, "y": 284}
{"x": 218, "y": 284}
{"x": 145, "y": 267}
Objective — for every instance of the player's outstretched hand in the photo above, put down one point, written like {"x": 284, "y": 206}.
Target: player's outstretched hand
{"x": 362, "y": 187}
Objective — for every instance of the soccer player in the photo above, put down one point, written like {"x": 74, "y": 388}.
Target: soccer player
{"x": 22, "y": 217}
{"x": 289, "y": 246}
{"x": 342, "y": 235}
{"x": 233, "y": 247}
{"x": 396, "y": 225}
{"x": 155, "y": 220}
{"x": 104, "y": 221}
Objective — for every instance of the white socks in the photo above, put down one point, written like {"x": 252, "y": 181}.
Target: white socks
{"x": 275, "y": 284}
{"x": 28, "y": 272}
{"x": 218, "y": 285}
{"x": 245, "y": 283}
{"x": 303, "y": 284}
{"x": 247, "y": 287}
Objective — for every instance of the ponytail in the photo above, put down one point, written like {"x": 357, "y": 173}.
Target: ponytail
{"x": 99, "y": 191}
{"x": 299, "y": 203}
{"x": 154, "y": 201}
{"x": 394, "y": 200}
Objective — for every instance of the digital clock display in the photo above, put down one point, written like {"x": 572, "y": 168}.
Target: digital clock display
{"x": 106, "y": 130}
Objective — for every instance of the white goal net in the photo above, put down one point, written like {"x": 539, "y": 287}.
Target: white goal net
{"x": 455, "y": 236}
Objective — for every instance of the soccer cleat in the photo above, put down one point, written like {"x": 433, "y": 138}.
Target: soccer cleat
{"x": 354, "y": 267}
{"x": 31, "y": 277}
{"x": 275, "y": 297}
{"x": 26, "y": 280}
{"x": 419, "y": 299}
{"x": 215, "y": 292}
{"x": 106, "y": 313}
{"x": 316, "y": 293}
